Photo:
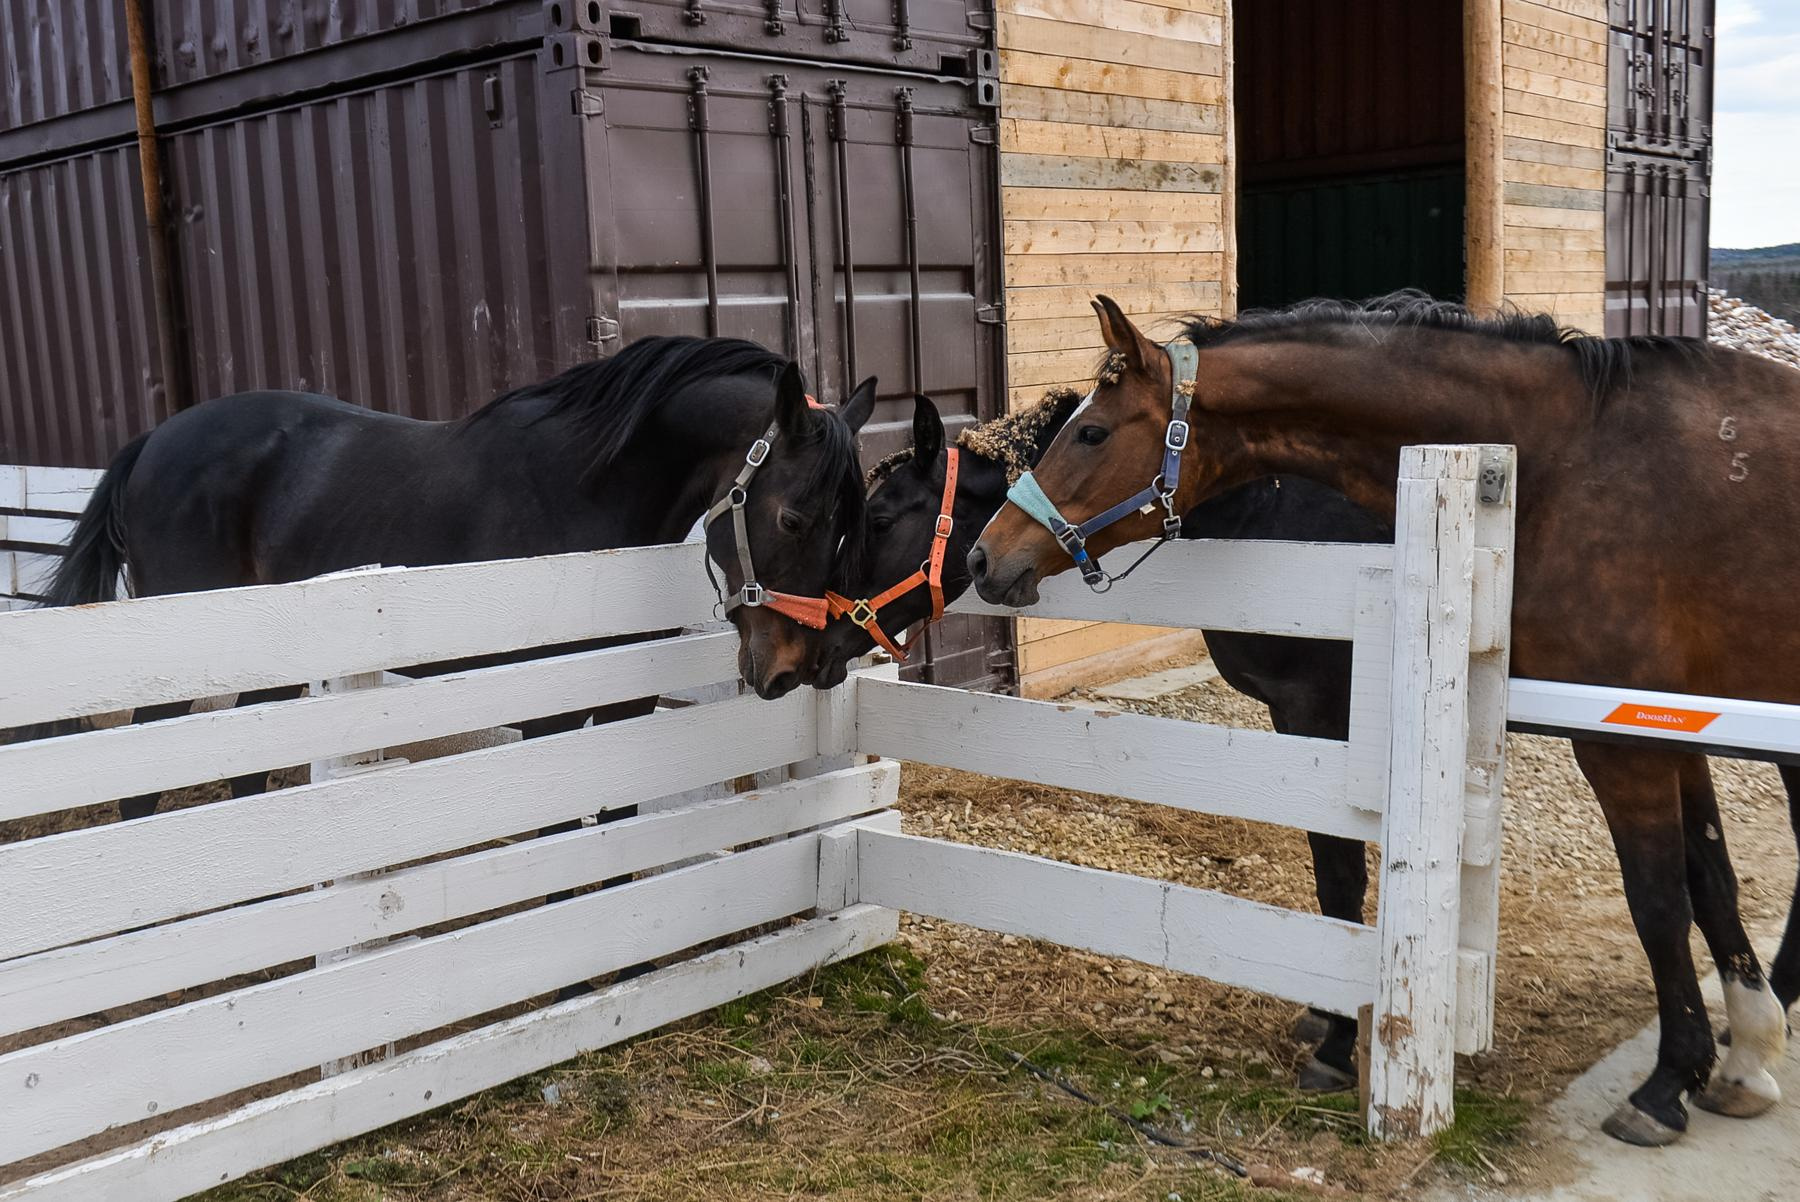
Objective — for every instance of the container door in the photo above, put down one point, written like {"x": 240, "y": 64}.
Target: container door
{"x": 1658, "y": 165}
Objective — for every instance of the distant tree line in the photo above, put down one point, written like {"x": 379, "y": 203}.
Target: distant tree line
{"x": 1768, "y": 277}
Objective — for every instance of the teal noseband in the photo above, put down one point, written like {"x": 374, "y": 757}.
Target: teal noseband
{"x": 1028, "y": 494}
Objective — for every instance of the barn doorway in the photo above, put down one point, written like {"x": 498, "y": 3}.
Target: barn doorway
{"x": 1350, "y": 149}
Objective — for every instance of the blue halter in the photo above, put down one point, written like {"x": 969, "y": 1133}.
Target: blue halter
{"x": 1028, "y": 495}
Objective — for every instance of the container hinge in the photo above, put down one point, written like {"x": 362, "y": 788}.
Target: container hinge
{"x": 778, "y": 105}
{"x": 903, "y": 116}
{"x": 903, "y": 25}
{"x": 984, "y": 135}
{"x": 773, "y": 25}
{"x": 490, "y": 100}
{"x": 991, "y": 315}
{"x": 601, "y": 329}
{"x": 694, "y": 15}
{"x": 836, "y": 28}
{"x": 838, "y": 90}
{"x": 698, "y": 118}
{"x": 588, "y": 104}
{"x": 981, "y": 17}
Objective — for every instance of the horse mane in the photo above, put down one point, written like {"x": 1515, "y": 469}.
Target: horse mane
{"x": 1604, "y": 364}
{"x": 607, "y": 400}
{"x": 1012, "y": 440}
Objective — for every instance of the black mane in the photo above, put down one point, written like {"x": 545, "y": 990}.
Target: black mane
{"x": 608, "y": 399}
{"x": 1605, "y": 364}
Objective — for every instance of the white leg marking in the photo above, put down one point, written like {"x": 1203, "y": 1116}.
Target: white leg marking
{"x": 1742, "y": 1086}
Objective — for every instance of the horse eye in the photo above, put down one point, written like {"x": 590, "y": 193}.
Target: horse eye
{"x": 1091, "y": 436}
{"x": 881, "y": 524}
{"x": 791, "y": 522}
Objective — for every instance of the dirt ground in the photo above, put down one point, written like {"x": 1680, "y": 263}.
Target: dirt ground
{"x": 895, "y": 1076}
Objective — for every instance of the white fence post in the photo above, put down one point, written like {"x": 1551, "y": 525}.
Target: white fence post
{"x": 334, "y": 768}
{"x": 1412, "y": 1060}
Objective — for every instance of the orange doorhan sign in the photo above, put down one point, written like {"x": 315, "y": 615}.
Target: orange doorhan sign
{"x": 1658, "y": 717}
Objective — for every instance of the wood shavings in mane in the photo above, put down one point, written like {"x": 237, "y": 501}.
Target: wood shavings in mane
{"x": 1013, "y": 441}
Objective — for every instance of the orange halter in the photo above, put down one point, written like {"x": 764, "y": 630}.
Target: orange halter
{"x": 929, "y": 574}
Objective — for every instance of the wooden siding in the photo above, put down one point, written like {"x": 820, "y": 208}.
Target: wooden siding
{"x": 1553, "y": 127}
{"x": 1114, "y": 165}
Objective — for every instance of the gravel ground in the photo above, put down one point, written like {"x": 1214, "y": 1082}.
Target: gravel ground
{"x": 1737, "y": 323}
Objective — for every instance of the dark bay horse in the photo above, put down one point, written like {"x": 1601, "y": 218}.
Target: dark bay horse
{"x": 270, "y": 487}
{"x": 1304, "y": 682}
{"x": 1657, "y": 495}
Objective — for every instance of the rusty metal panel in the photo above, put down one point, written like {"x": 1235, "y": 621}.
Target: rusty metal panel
{"x": 1658, "y": 165}
{"x": 388, "y": 247}
{"x": 77, "y": 339}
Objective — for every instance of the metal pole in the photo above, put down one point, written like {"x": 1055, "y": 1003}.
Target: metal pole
{"x": 156, "y": 223}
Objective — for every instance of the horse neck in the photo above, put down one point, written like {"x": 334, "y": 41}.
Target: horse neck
{"x": 1339, "y": 411}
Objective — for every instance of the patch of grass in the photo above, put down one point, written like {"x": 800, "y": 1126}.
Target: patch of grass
{"x": 721, "y": 1073}
{"x": 889, "y": 981}
{"x": 1484, "y": 1123}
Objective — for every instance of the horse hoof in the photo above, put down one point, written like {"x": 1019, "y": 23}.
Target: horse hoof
{"x": 1741, "y": 1099}
{"x": 1311, "y": 1027}
{"x": 1318, "y": 1077}
{"x": 1631, "y": 1125}
{"x": 1725, "y": 1035}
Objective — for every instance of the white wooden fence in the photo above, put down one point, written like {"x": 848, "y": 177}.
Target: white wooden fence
{"x": 43, "y": 503}
{"x": 167, "y": 1093}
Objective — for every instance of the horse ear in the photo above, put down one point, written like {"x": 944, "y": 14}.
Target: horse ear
{"x": 1121, "y": 336}
{"x": 928, "y": 433}
{"x": 792, "y": 412}
{"x": 856, "y": 410}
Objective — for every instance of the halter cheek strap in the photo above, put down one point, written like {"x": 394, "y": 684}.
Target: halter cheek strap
{"x": 1028, "y": 494}
{"x": 808, "y": 611}
{"x": 930, "y": 574}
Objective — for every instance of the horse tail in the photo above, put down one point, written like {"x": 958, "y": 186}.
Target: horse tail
{"x": 90, "y": 570}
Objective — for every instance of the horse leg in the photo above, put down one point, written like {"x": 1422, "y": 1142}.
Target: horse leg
{"x": 258, "y": 782}
{"x": 1784, "y": 973}
{"x": 144, "y": 805}
{"x": 1639, "y": 792}
{"x": 1741, "y": 1087}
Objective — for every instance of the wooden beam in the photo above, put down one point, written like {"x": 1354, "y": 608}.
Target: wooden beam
{"x": 1484, "y": 165}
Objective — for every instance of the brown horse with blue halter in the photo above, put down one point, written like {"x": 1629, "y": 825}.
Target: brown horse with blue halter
{"x": 1658, "y": 489}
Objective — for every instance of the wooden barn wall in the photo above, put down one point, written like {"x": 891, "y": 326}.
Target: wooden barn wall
{"x": 1553, "y": 74}
{"x": 1114, "y": 179}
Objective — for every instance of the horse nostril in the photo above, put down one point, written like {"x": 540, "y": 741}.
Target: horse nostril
{"x": 781, "y": 685}
{"x": 977, "y": 562}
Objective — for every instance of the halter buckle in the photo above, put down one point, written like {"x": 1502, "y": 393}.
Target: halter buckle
{"x": 1071, "y": 540}
{"x": 1177, "y": 437}
{"x": 861, "y": 613}
{"x": 759, "y": 451}
{"x": 752, "y": 594}
{"x": 944, "y": 526}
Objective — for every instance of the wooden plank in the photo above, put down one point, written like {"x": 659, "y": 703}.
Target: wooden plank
{"x": 62, "y": 490}
{"x": 1592, "y": 136}
{"x": 86, "y": 1083}
{"x": 1100, "y": 108}
{"x": 125, "y": 761}
{"x": 1540, "y": 217}
{"x": 1140, "y": 654}
{"x": 1217, "y": 584}
{"x": 1062, "y": 236}
{"x": 1106, "y": 142}
{"x": 31, "y": 572}
{"x": 1482, "y": 141}
{"x": 1555, "y": 108}
{"x": 1530, "y": 283}
{"x": 1304, "y": 958}
{"x": 1098, "y": 270}
{"x": 1048, "y": 333}
{"x": 1589, "y": 10}
{"x": 1078, "y": 204}
{"x": 1526, "y": 238}
{"x": 1097, "y": 638}
{"x": 1543, "y": 16}
{"x": 69, "y": 982}
{"x": 1071, "y": 300}
{"x": 92, "y": 882}
{"x": 1078, "y": 75}
{"x": 1591, "y": 180}
{"x": 1107, "y": 45}
{"x": 1163, "y": 21}
{"x": 1549, "y": 41}
{"x": 35, "y": 528}
{"x": 1251, "y": 774}
{"x": 1021, "y": 170}
{"x": 98, "y": 658}
{"x": 195, "y": 1157}
{"x": 1540, "y": 83}
{"x": 1537, "y": 150}
{"x": 1033, "y": 629}
{"x": 1371, "y": 676}
{"x": 1048, "y": 367}
{"x": 1589, "y": 70}
{"x": 1549, "y": 259}
{"x": 1413, "y": 1063}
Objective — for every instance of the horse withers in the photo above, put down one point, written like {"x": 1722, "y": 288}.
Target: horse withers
{"x": 1655, "y": 494}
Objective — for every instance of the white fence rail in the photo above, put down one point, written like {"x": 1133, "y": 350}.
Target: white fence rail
{"x": 428, "y": 873}
{"x": 38, "y": 508}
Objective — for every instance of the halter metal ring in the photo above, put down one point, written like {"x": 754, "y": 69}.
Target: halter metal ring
{"x": 751, "y": 594}
{"x": 759, "y": 451}
{"x": 737, "y": 496}
{"x": 861, "y": 613}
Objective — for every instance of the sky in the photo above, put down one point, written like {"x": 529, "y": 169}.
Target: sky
{"x": 1756, "y": 124}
